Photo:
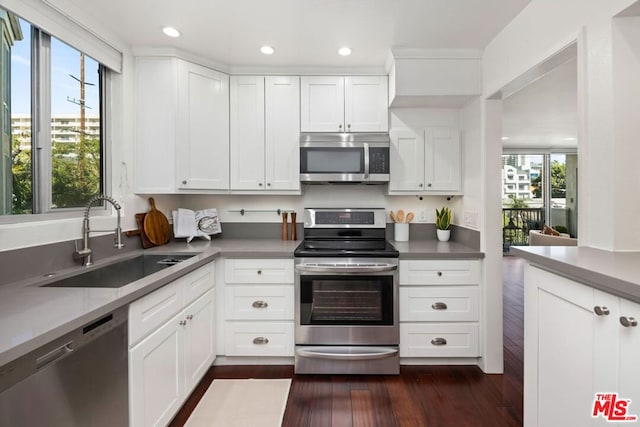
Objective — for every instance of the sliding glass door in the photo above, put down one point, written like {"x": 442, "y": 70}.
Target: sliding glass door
{"x": 538, "y": 189}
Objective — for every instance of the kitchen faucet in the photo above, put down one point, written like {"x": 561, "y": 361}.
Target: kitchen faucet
{"x": 85, "y": 252}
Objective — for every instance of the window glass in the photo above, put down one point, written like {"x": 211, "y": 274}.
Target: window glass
{"x": 75, "y": 126}
{"x": 66, "y": 170}
{"x": 16, "y": 175}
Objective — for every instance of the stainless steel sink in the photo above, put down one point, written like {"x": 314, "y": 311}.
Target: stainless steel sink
{"x": 120, "y": 273}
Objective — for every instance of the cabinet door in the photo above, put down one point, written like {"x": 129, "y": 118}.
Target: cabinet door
{"x": 559, "y": 349}
{"x": 282, "y": 139}
{"x": 155, "y": 124}
{"x": 156, "y": 376}
{"x": 629, "y": 350}
{"x": 407, "y": 161}
{"x": 202, "y": 149}
{"x": 322, "y": 104}
{"x": 200, "y": 340}
{"x": 247, "y": 133}
{"x": 365, "y": 104}
{"x": 443, "y": 159}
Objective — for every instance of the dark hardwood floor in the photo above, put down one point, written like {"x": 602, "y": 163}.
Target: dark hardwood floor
{"x": 430, "y": 396}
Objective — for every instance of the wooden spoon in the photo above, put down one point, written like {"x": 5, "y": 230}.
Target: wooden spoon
{"x": 400, "y": 215}
{"x": 409, "y": 217}
{"x": 393, "y": 217}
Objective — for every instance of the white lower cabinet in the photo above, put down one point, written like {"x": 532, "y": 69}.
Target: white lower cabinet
{"x": 258, "y": 307}
{"x": 439, "y": 308}
{"x": 170, "y": 360}
{"x": 576, "y": 345}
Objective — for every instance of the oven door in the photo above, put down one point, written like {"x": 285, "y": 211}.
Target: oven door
{"x": 346, "y": 302}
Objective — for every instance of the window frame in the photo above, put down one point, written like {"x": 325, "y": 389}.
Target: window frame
{"x": 41, "y": 132}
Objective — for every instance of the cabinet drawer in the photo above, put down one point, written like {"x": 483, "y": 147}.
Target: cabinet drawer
{"x": 198, "y": 282}
{"x": 259, "y": 339}
{"x": 438, "y": 340}
{"x": 439, "y": 272}
{"x": 259, "y": 302}
{"x": 439, "y": 303}
{"x": 259, "y": 271}
{"x": 151, "y": 311}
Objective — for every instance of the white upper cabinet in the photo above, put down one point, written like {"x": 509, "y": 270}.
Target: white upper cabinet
{"x": 427, "y": 162}
{"x": 344, "y": 104}
{"x": 265, "y": 133}
{"x": 282, "y": 139}
{"x": 182, "y": 127}
{"x": 365, "y": 104}
{"x": 203, "y": 130}
{"x": 155, "y": 124}
{"x": 247, "y": 132}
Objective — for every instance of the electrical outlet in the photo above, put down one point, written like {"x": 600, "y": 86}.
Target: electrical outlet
{"x": 423, "y": 215}
{"x": 470, "y": 219}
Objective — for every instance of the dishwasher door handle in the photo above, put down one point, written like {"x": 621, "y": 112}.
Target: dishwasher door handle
{"x": 347, "y": 353}
{"x": 54, "y": 355}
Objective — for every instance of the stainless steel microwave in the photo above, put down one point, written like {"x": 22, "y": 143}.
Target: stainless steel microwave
{"x": 344, "y": 158}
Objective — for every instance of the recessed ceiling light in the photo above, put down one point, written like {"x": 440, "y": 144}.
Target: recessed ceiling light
{"x": 267, "y": 50}
{"x": 344, "y": 51}
{"x": 569, "y": 139}
{"x": 504, "y": 138}
{"x": 171, "y": 32}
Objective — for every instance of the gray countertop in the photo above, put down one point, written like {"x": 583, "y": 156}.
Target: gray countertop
{"x": 31, "y": 316}
{"x": 617, "y": 273}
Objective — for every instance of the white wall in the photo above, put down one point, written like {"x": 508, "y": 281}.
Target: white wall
{"x": 539, "y": 31}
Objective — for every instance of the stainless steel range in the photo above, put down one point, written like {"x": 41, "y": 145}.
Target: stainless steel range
{"x": 346, "y": 292}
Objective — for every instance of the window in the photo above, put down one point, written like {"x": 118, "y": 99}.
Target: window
{"x": 57, "y": 89}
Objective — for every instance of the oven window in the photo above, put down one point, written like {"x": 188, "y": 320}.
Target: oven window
{"x": 346, "y": 300}
{"x": 332, "y": 160}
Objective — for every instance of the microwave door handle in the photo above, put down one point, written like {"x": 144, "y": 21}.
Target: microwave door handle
{"x": 366, "y": 160}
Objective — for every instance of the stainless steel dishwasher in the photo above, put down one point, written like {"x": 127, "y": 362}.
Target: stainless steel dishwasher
{"x": 80, "y": 379}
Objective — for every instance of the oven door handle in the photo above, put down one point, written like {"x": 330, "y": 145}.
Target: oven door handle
{"x": 346, "y": 268}
{"x": 346, "y": 353}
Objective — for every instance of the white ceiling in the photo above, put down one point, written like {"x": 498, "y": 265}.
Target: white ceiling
{"x": 305, "y": 33}
{"x": 544, "y": 113}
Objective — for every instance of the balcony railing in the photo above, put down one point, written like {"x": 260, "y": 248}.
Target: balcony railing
{"x": 516, "y": 223}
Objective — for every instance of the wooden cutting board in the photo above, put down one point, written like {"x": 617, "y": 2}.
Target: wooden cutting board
{"x": 146, "y": 243}
{"x": 156, "y": 225}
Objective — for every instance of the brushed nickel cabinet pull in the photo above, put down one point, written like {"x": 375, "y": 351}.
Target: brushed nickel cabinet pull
{"x": 628, "y": 322}
{"x": 259, "y": 271}
{"x": 439, "y": 273}
{"x": 190, "y": 317}
{"x": 261, "y": 340}
{"x": 183, "y": 322}
{"x": 260, "y": 304}
{"x": 601, "y": 311}
{"x": 439, "y": 306}
{"x": 439, "y": 341}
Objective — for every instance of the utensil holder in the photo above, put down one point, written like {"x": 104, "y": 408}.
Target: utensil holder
{"x": 401, "y": 232}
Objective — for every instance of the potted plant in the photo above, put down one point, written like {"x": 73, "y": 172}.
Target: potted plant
{"x": 443, "y": 223}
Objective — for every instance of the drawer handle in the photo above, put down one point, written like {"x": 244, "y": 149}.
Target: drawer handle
{"x": 601, "y": 311}
{"x": 261, "y": 340}
{"x": 260, "y": 304}
{"x": 439, "y": 341}
{"x": 190, "y": 317}
{"x": 628, "y": 322}
{"x": 259, "y": 271}
{"x": 439, "y": 273}
{"x": 182, "y": 322}
{"x": 439, "y": 306}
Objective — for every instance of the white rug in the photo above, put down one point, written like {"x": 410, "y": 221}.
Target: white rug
{"x": 240, "y": 403}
